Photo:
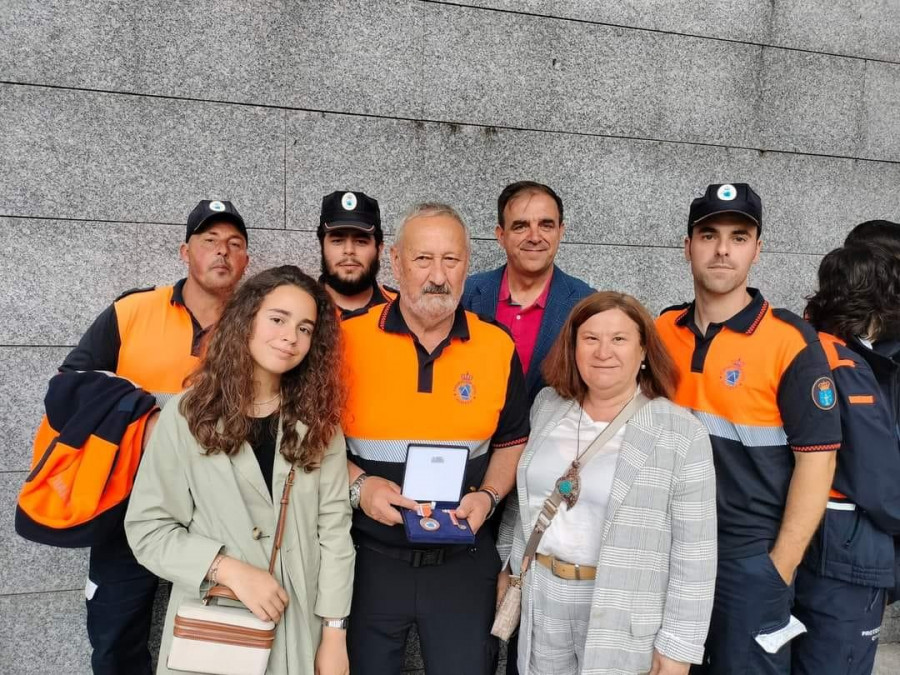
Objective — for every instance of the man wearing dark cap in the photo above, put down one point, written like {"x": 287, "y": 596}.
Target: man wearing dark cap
{"x": 153, "y": 337}
{"x": 759, "y": 380}
{"x": 351, "y": 241}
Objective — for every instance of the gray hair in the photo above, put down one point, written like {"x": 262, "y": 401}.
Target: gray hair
{"x": 428, "y": 210}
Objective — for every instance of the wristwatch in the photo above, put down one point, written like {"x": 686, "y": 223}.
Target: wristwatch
{"x": 355, "y": 490}
{"x": 335, "y": 623}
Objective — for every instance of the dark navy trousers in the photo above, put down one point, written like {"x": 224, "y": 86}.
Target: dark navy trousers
{"x": 451, "y": 605}
{"x": 120, "y": 597}
{"x": 751, "y": 598}
{"x": 843, "y": 621}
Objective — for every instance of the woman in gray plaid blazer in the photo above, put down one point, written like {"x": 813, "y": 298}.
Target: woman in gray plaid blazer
{"x": 642, "y": 600}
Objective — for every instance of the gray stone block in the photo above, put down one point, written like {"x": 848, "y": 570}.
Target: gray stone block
{"x": 864, "y": 29}
{"x": 746, "y": 20}
{"x": 26, "y": 373}
{"x": 615, "y": 191}
{"x": 78, "y": 268}
{"x": 811, "y": 103}
{"x": 26, "y": 567}
{"x": 75, "y": 270}
{"x": 887, "y": 659}
{"x": 890, "y": 629}
{"x": 861, "y": 29}
{"x": 586, "y": 77}
{"x": 44, "y": 633}
{"x": 70, "y": 154}
{"x": 383, "y": 158}
{"x": 881, "y": 137}
{"x": 347, "y": 56}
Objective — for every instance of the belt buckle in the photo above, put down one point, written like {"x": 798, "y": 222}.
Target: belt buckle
{"x": 427, "y": 557}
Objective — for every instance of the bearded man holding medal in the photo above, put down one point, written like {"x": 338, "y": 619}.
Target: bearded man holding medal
{"x": 437, "y": 393}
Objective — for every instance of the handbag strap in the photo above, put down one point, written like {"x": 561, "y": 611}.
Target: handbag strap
{"x": 279, "y": 528}
{"x": 551, "y": 504}
{"x": 220, "y": 591}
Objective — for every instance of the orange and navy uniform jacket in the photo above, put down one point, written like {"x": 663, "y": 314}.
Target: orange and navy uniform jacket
{"x": 86, "y": 454}
{"x": 761, "y": 385}
{"x": 855, "y": 541}
{"x": 148, "y": 336}
{"x": 469, "y": 391}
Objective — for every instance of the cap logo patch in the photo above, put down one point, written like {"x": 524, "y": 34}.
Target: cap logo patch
{"x": 465, "y": 389}
{"x": 823, "y": 393}
{"x": 216, "y": 206}
{"x": 348, "y": 201}
{"x": 726, "y": 193}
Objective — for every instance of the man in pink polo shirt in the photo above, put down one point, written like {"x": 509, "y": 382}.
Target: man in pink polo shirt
{"x": 529, "y": 294}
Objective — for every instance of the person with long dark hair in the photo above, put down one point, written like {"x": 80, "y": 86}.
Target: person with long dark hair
{"x": 267, "y": 398}
{"x": 840, "y": 586}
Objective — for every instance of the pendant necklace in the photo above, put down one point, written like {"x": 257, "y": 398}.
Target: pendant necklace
{"x": 569, "y": 484}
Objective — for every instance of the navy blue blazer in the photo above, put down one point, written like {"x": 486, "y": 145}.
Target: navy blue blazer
{"x": 482, "y": 295}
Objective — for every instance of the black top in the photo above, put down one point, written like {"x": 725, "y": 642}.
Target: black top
{"x": 262, "y": 439}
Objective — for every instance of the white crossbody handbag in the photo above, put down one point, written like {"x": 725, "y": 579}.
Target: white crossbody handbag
{"x": 225, "y": 640}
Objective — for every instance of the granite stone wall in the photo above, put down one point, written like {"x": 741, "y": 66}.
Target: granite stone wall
{"x": 116, "y": 117}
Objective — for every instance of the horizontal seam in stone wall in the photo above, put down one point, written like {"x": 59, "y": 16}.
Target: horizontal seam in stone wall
{"x": 388, "y": 235}
{"x": 55, "y": 590}
{"x": 476, "y": 125}
{"x": 108, "y": 221}
{"x": 36, "y": 346}
{"x": 554, "y": 17}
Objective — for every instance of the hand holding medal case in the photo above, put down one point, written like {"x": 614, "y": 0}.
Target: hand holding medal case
{"x": 434, "y": 476}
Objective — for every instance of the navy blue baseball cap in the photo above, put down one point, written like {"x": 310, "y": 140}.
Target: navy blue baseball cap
{"x": 210, "y": 211}
{"x": 343, "y": 210}
{"x": 737, "y": 198}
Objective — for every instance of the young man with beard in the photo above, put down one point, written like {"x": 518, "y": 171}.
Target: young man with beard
{"x": 759, "y": 380}
{"x": 154, "y": 337}
{"x": 351, "y": 242}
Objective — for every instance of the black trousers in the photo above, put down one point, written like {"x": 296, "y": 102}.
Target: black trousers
{"x": 843, "y": 621}
{"x": 119, "y": 601}
{"x": 751, "y": 599}
{"x": 452, "y": 606}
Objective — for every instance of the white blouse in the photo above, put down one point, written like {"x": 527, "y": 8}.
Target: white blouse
{"x": 574, "y": 535}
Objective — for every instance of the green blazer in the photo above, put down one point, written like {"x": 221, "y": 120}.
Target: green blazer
{"x": 187, "y": 506}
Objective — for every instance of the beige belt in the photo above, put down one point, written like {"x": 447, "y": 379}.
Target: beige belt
{"x": 566, "y": 570}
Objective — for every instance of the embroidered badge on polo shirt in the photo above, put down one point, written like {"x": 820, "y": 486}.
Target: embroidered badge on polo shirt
{"x": 823, "y": 394}
{"x": 731, "y": 374}
{"x": 465, "y": 389}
